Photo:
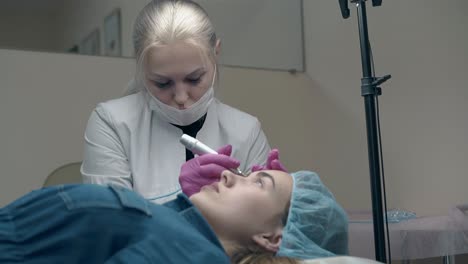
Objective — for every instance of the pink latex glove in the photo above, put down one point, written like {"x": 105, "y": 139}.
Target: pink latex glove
{"x": 205, "y": 169}
{"x": 273, "y": 162}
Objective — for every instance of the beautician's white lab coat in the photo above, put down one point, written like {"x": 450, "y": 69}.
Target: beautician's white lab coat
{"x": 128, "y": 144}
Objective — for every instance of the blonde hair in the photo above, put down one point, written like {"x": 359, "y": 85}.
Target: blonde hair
{"x": 163, "y": 22}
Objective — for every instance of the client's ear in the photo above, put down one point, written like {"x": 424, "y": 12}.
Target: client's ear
{"x": 269, "y": 241}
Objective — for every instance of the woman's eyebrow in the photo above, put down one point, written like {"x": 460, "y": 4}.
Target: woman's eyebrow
{"x": 198, "y": 71}
{"x": 157, "y": 76}
{"x": 267, "y": 175}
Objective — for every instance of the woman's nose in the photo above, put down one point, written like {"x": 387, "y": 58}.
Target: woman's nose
{"x": 181, "y": 96}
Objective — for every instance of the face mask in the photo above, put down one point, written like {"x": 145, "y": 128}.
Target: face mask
{"x": 187, "y": 116}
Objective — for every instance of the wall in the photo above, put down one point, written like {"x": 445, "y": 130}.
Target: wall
{"x": 47, "y": 99}
{"x": 306, "y": 125}
{"x": 45, "y": 103}
{"x": 422, "y": 43}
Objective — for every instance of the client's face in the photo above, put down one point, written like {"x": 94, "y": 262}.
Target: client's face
{"x": 238, "y": 207}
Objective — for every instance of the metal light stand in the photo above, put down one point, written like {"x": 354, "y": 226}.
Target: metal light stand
{"x": 370, "y": 91}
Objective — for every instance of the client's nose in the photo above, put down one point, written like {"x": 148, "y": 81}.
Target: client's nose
{"x": 229, "y": 179}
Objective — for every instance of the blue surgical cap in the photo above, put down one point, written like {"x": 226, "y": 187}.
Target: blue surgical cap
{"x": 317, "y": 226}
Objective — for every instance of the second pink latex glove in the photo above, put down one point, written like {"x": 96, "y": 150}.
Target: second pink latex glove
{"x": 205, "y": 169}
{"x": 273, "y": 162}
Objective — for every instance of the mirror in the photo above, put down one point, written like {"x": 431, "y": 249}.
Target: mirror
{"x": 104, "y": 28}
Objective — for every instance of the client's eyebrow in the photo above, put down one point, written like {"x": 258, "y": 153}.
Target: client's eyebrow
{"x": 264, "y": 174}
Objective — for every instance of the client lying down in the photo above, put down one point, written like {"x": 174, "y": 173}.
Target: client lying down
{"x": 269, "y": 213}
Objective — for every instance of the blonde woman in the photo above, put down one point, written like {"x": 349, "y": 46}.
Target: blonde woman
{"x": 133, "y": 141}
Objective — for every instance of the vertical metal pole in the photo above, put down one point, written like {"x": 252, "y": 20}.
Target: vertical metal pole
{"x": 369, "y": 92}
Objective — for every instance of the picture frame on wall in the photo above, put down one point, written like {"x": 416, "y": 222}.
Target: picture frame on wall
{"x": 91, "y": 45}
{"x": 112, "y": 34}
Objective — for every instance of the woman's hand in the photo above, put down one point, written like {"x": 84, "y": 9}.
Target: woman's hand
{"x": 273, "y": 162}
{"x": 205, "y": 169}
